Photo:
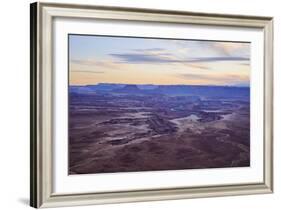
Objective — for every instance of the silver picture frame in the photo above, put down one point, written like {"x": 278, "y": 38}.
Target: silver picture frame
{"x": 42, "y": 16}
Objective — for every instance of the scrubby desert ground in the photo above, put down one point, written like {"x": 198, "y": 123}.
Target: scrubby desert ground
{"x": 134, "y": 128}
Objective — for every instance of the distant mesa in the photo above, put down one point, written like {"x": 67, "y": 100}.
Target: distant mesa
{"x": 106, "y": 86}
{"x": 129, "y": 89}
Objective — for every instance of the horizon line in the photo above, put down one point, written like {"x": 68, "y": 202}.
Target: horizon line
{"x": 240, "y": 86}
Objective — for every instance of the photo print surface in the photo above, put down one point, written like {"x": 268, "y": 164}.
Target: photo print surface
{"x": 148, "y": 104}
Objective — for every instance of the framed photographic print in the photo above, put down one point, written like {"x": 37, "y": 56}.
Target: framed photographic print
{"x": 138, "y": 105}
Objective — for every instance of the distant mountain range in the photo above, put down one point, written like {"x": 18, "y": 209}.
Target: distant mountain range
{"x": 198, "y": 90}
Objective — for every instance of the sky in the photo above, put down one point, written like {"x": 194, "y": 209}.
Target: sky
{"x": 127, "y": 60}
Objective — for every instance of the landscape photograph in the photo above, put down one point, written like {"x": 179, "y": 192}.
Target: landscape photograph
{"x": 141, "y": 104}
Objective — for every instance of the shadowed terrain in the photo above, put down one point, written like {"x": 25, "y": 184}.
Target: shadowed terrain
{"x": 123, "y": 128}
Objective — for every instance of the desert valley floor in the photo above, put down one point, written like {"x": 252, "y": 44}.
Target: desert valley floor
{"x": 124, "y": 128}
